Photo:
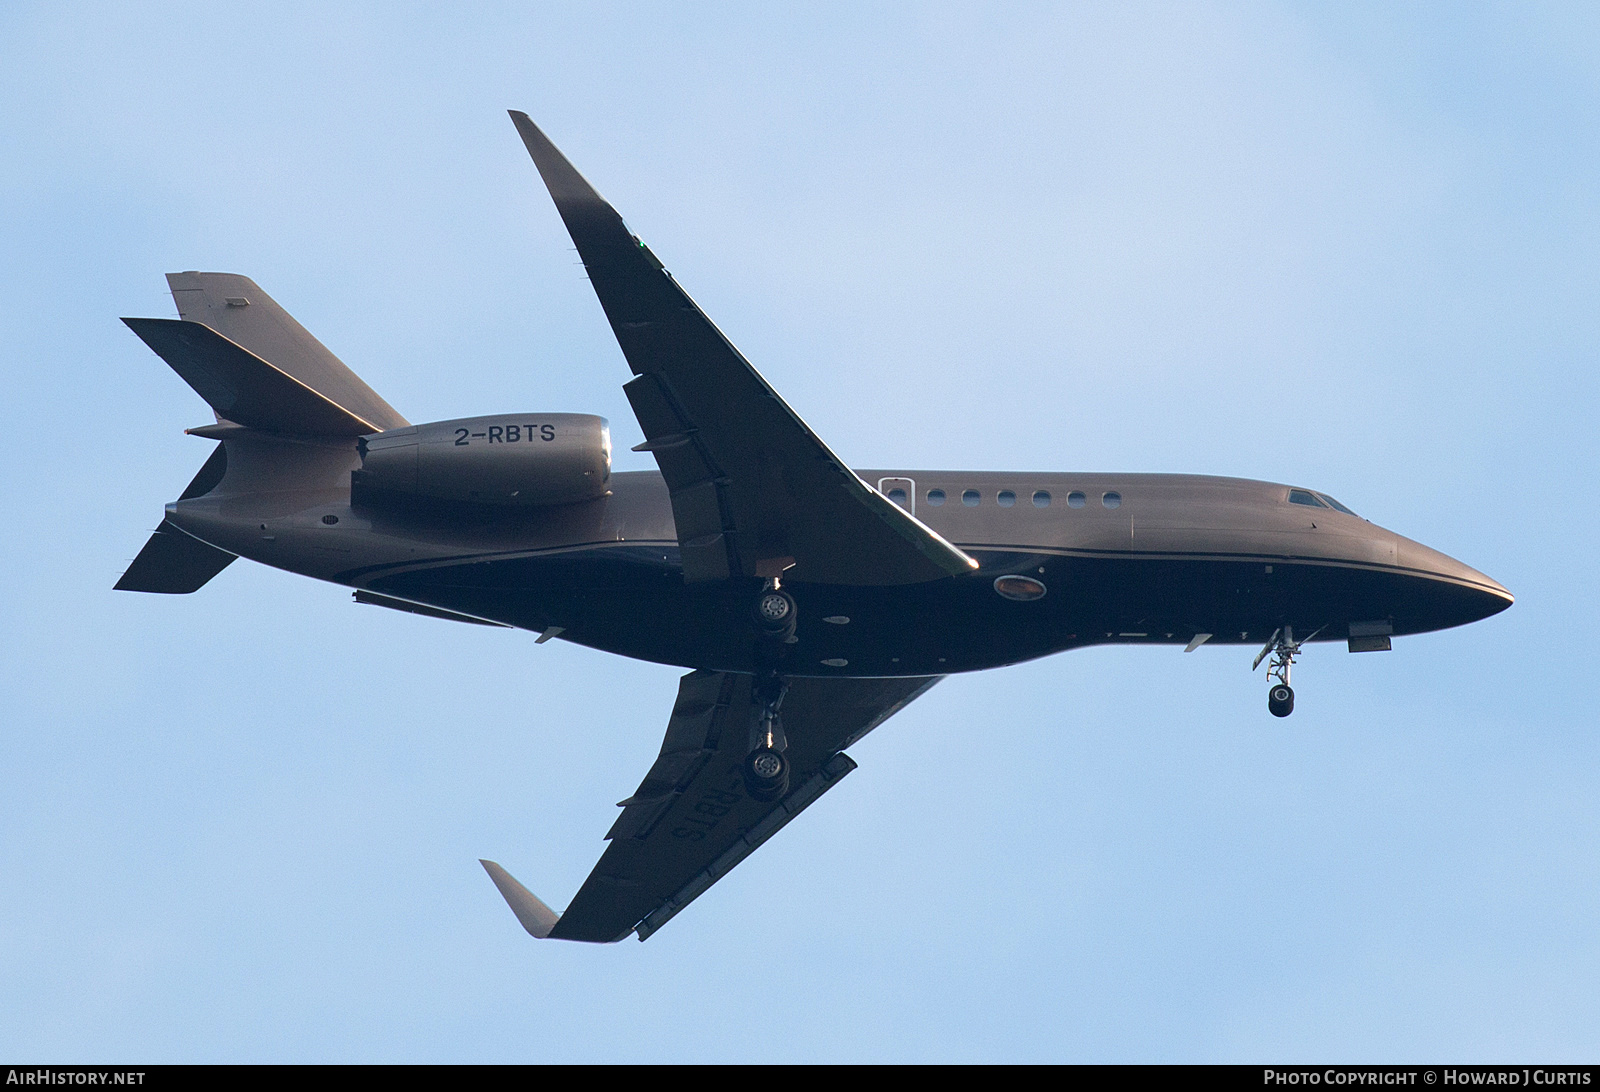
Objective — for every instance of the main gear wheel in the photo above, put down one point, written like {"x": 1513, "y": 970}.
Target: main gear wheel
{"x": 766, "y": 774}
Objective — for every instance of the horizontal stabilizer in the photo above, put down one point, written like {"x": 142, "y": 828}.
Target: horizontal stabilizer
{"x": 237, "y": 308}
{"x": 537, "y": 918}
{"x": 242, "y": 387}
{"x": 173, "y": 563}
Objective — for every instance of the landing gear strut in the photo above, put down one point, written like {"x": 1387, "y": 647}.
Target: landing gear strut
{"x": 766, "y": 770}
{"x": 1283, "y": 648}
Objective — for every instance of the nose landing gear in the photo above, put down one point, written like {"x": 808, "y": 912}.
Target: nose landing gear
{"x": 1283, "y": 649}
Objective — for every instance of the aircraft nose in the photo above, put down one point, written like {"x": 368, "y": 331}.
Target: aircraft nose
{"x": 1456, "y": 593}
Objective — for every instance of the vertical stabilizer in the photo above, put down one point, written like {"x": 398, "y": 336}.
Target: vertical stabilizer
{"x": 237, "y": 308}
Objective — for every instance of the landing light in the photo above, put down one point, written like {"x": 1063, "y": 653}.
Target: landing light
{"x": 1023, "y": 589}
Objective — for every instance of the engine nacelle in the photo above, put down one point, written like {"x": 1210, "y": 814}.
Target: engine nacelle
{"x": 510, "y": 459}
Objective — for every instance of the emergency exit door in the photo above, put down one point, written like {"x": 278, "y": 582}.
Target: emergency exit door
{"x": 903, "y": 491}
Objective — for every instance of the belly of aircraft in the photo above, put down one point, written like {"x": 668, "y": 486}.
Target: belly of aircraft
{"x": 633, "y": 601}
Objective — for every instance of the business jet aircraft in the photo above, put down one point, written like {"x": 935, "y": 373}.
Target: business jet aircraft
{"x": 810, "y": 601}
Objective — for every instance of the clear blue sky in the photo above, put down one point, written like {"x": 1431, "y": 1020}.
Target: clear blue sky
{"x": 1353, "y": 247}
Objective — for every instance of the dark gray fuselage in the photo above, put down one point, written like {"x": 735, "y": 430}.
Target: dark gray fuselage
{"x": 1180, "y": 555}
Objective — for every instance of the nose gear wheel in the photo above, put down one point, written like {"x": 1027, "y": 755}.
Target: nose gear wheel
{"x": 1280, "y": 701}
{"x": 1283, "y": 649}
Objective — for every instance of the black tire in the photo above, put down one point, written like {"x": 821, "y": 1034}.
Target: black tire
{"x": 766, "y": 774}
{"x": 775, "y": 614}
{"x": 1280, "y": 701}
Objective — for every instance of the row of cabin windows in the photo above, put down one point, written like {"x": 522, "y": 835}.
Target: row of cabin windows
{"x": 1007, "y": 498}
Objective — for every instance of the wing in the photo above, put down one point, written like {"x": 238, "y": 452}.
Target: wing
{"x": 690, "y": 821}
{"x": 754, "y": 491}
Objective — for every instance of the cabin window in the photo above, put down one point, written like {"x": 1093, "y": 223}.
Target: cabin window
{"x": 1111, "y": 500}
{"x": 1336, "y": 505}
{"x": 1041, "y": 499}
{"x": 1005, "y": 498}
{"x": 1301, "y": 496}
{"x": 971, "y": 498}
{"x": 1076, "y": 499}
{"x": 898, "y": 495}
{"x": 935, "y": 497}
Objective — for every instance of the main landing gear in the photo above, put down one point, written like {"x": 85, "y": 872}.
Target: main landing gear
{"x": 775, "y": 615}
{"x": 1283, "y": 649}
{"x": 765, "y": 769}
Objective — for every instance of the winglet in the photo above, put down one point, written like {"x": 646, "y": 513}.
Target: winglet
{"x": 567, "y": 187}
{"x": 537, "y": 918}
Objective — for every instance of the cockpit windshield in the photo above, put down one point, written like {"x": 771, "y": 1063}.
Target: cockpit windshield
{"x": 1317, "y": 500}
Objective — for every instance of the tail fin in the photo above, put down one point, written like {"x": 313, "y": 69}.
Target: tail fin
{"x": 259, "y": 368}
{"x": 240, "y": 311}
